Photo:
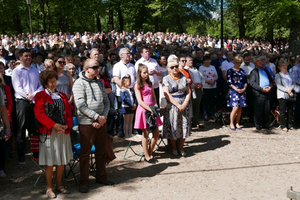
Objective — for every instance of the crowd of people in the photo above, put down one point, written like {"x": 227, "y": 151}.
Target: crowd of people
{"x": 134, "y": 83}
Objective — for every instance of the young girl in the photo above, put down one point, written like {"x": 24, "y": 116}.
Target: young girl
{"x": 128, "y": 105}
{"x": 145, "y": 96}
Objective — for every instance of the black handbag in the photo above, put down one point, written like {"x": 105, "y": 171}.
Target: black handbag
{"x": 53, "y": 112}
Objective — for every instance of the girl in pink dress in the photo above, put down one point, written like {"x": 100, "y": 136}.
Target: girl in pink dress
{"x": 145, "y": 96}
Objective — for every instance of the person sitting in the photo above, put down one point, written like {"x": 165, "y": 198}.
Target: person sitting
{"x": 56, "y": 148}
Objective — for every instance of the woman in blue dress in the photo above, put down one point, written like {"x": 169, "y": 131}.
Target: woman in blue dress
{"x": 237, "y": 81}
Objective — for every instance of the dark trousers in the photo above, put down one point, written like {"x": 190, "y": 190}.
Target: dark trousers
{"x": 286, "y": 113}
{"x": 26, "y": 120}
{"x": 297, "y": 110}
{"x": 89, "y": 136}
{"x": 261, "y": 110}
{"x": 250, "y": 109}
{"x": 120, "y": 116}
{"x": 156, "y": 92}
{"x": 209, "y": 102}
{"x": 3, "y": 149}
{"x": 196, "y": 106}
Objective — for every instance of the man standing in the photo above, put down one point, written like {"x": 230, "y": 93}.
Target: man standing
{"x": 296, "y": 72}
{"x": 25, "y": 80}
{"x": 221, "y": 99}
{"x": 154, "y": 70}
{"x": 121, "y": 69}
{"x": 196, "y": 86}
{"x": 92, "y": 108}
{"x": 260, "y": 81}
{"x": 248, "y": 66}
{"x": 198, "y": 61}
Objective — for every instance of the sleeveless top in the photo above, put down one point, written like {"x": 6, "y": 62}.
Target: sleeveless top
{"x": 63, "y": 84}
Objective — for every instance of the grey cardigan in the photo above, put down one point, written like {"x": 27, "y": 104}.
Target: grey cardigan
{"x": 90, "y": 98}
{"x": 281, "y": 87}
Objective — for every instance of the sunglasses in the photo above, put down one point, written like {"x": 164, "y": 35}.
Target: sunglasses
{"x": 61, "y": 62}
{"x": 176, "y": 66}
{"x": 183, "y": 60}
{"x": 238, "y": 63}
{"x": 93, "y": 67}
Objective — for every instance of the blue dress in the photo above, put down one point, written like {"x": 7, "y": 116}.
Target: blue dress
{"x": 238, "y": 79}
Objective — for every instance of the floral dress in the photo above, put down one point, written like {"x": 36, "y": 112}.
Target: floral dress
{"x": 238, "y": 79}
{"x": 176, "y": 124}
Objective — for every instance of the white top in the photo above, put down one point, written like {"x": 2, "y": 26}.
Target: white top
{"x": 226, "y": 65}
{"x": 196, "y": 76}
{"x": 247, "y": 68}
{"x": 8, "y": 72}
{"x": 272, "y": 66}
{"x": 151, "y": 64}
{"x": 120, "y": 70}
{"x": 209, "y": 73}
{"x": 40, "y": 67}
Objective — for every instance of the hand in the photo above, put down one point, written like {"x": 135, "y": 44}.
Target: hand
{"x": 266, "y": 89}
{"x": 289, "y": 90}
{"x": 101, "y": 120}
{"x": 152, "y": 71}
{"x": 30, "y": 97}
{"x": 70, "y": 102}
{"x": 291, "y": 94}
{"x": 133, "y": 107}
{"x": 189, "y": 81}
{"x": 181, "y": 108}
{"x": 65, "y": 127}
{"x": 96, "y": 125}
{"x": 59, "y": 128}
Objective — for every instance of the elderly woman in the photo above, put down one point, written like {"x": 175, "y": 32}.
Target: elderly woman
{"x": 55, "y": 141}
{"x": 176, "y": 123}
{"x": 237, "y": 81}
{"x": 286, "y": 95}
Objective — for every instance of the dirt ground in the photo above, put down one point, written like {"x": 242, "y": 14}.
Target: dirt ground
{"x": 220, "y": 164}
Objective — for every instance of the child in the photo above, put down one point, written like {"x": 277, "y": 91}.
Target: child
{"x": 128, "y": 105}
{"x": 145, "y": 96}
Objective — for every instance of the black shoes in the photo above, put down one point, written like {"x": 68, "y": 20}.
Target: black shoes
{"x": 83, "y": 189}
{"x": 105, "y": 182}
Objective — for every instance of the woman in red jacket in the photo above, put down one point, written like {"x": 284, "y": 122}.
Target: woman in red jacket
{"x": 57, "y": 148}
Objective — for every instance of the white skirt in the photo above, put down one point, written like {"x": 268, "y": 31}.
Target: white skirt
{"x": 56, "y": 150}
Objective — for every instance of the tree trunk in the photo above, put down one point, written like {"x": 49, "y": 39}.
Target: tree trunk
{"x": 270, "y": 34}
{"x": 241, "y": 22}
{"x": 179, "y": 25}
{"x": 156, "y": 24}
{"x": 121, "y": 18}
{"x": 98, "y": 22}
{"x": 17, "y": 22}
{"x": 110, "y": 24}
{"x": 42, "y": 7}
{"x": 294, "y": 41}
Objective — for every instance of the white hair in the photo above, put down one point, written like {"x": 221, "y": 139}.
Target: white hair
{"x": 123, "y": 50}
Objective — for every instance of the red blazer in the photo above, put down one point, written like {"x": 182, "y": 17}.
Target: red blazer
{"x": 40, "y": 113}
{"x": 9, "y": 103}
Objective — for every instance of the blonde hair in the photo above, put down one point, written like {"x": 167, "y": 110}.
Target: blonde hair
{"x": 237, "y": 59}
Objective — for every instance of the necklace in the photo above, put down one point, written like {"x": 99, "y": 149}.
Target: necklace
{"x": 175, "y": 78}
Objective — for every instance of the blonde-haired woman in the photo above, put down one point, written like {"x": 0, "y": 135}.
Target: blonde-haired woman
{"x": 237, "y": 81}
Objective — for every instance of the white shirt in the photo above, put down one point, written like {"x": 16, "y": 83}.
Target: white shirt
{"x": 196, "y": 76}
{"x": 8, "y": 72}
{"x": 247, "y": 68}
{"x": 40, "y": 67}
{"x": 226, "y": 65}
{"x": 151, "y": 64}
{"x": 208, "y": 73}
{"x": 120, "y": 70}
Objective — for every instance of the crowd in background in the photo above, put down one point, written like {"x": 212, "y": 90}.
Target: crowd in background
{"x": 183, "y": 75}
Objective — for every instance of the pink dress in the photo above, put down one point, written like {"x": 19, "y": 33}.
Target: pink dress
{"x": 140, "y": 118}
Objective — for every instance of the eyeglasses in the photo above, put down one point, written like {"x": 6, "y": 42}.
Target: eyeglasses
{"x": 183, "y": 60}
{"x": 93, "y": 67}
{"x": 176, "y": 66}
{"x": 61, "y": 62}
{"x": 238, "y": 63}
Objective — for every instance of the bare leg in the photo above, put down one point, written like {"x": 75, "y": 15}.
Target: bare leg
{"x": 59, "y": 173}
{"x": 125, "y": 125}
{"x": 181, "y": 142}
{"x": 238, "y": 117}
{"x": 49, "y": 174}
{"x": 153, "y": 141}
{"x": 174, "y": 147}
{"x": 233, "y": 116}
{"x": 145, "y": 143}
{"x": 130, "y": 125}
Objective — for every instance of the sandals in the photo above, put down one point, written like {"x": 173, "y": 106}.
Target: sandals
{"x": 62, "y": 190}
{"x": 50, "y": 193}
